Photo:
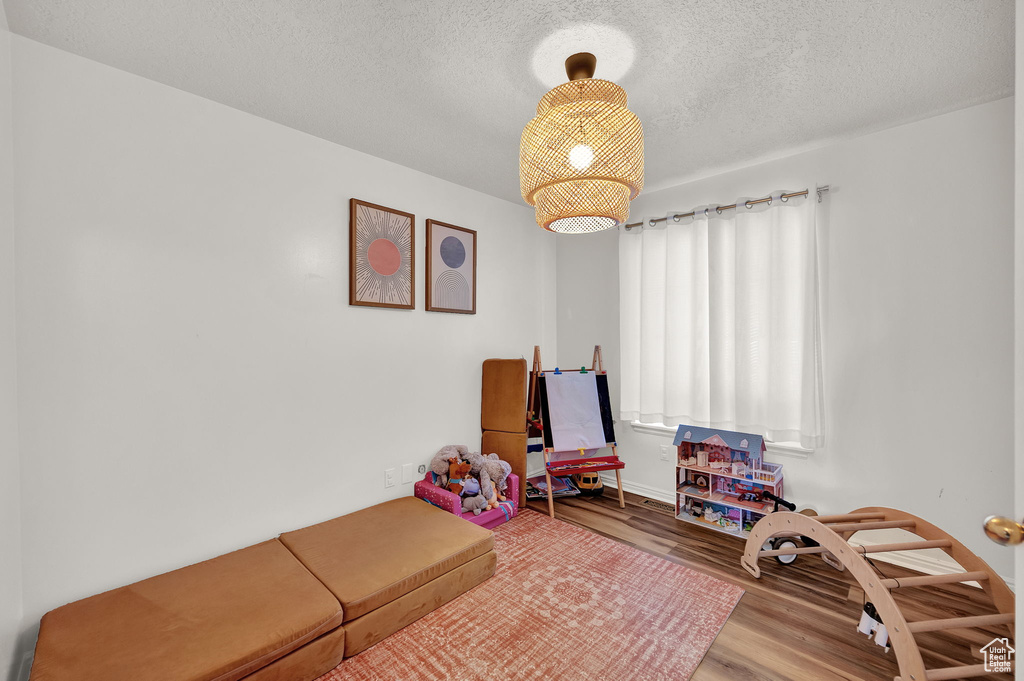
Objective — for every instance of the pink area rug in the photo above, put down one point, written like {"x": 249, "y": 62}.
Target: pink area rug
{"x": 564, "y": 603}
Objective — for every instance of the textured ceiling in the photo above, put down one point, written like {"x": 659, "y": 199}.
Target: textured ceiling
{"x": 446, "y": 87}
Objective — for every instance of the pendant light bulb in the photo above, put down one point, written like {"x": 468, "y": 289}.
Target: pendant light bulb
{"x": 581, "y": 157}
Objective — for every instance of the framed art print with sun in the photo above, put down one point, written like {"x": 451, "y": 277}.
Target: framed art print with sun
{"x": 382, "y": 268}
{"x": 451, "y": 268}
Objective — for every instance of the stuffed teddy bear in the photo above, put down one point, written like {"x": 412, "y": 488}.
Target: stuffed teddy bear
{"x": 487, "y": 489}
{"x": 439, "y": 464}
{"x": 475, "y": 503}
{"x": 479, "y": 467}
{"x": 497, "y": 471}
{"x": 494, "y": 497}
{"x": 457, "y": 474}
{"x": 470, "y": 487}
{"x": 506, "y": 467}
{"x": 475, "y": 459}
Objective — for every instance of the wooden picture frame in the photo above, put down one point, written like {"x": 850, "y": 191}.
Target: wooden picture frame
{"x": 451, "y": 268}
{"x": 382, "y": 256}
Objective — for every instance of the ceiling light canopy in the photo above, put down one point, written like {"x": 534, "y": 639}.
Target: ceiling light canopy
{"x": 612, "y": 47}
{"x": 581, "y": 160}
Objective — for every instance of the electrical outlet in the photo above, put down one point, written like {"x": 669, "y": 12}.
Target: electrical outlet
{"x": 664, "y": 452}
{"x": 422, "y": 470}
{"x": 389, "y": 477}
{"x": 406, "y": 473}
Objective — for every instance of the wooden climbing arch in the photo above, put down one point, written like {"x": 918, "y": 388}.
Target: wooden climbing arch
{"x": 832, "y": 534}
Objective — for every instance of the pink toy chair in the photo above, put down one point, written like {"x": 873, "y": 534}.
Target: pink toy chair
{"x": 438, "y": 496}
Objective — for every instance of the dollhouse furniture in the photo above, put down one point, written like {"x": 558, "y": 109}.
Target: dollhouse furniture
{"x": 722, "y": 479}
{"x": 831, "y": 536}
{"x": 288, "y": 608}
{"x": 449, "y": 501}
{"x": 572, "y": 411}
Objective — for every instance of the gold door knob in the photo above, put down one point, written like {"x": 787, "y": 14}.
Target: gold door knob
{"x": 1004, "y": 530}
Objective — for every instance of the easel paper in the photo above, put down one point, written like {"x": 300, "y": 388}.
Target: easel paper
{"x": 574, "y": 411}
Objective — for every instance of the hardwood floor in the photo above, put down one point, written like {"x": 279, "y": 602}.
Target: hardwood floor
{"x": 796, "y": 623}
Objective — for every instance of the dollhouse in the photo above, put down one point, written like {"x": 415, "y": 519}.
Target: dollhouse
{"x": 722, "y": 478}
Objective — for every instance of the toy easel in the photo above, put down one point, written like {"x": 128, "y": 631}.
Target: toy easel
{"x": 539, "y": 419}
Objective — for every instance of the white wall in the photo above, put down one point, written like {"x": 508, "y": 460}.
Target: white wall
{"x": 193, "y": 378}
{"x": 1018, "y": 552}
{"x": 10, "y": 524}
{"x": 918, "y": 331}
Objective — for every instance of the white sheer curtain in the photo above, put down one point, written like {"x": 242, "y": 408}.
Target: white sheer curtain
{"x": 719, "y": 320}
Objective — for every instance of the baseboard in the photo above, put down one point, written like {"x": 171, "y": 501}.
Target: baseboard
{"x": 912, "y": 560}
{"x": 916, "y": 560}
{"x": 669, "y": 497}
{"x": 26, "y": 666}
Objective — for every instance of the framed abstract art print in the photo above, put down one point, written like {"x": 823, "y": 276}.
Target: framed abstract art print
{"x": 382, "y": 263}
{"x": 451, "y": 268}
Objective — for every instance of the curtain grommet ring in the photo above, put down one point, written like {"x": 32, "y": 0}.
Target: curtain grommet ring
{"x": 784, "y": 198}
{"x": 718, "y": 209}
{"x": 675, "y": 218}
{"x": 652, "y": 222}
{"x": 748, "y": 205}
{"x": 769, "y": 200}
{"x": 706, "y": 212}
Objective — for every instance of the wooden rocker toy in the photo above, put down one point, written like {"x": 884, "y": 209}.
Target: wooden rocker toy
{"x": 829, "y": 535}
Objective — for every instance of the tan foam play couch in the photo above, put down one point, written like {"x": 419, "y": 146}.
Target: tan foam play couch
{"x": 288, "y": 609}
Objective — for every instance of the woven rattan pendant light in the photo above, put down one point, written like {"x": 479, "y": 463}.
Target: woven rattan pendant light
{"x": 581, "y": 160}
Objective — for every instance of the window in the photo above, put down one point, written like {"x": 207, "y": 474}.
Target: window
{"x": 719, "y": 321}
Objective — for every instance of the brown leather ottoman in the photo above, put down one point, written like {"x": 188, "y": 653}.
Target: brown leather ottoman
{"x": 392, "y": 563}
{"x": 220, "y": 620}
